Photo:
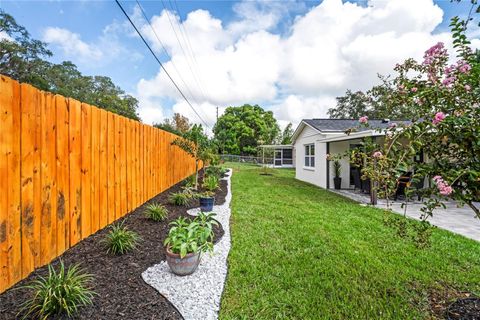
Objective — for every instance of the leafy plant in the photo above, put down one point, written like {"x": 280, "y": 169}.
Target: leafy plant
{"x": 210, "y": 183}
{"x": 120, "y": 240}
{"x": 337, "y": 168}
{"x": 214, "y": 171}
{"x": 179, "y": 198}
{"x": 191, "y": 236}
{"x": 61, "y": 292}
{"x": 156, "y": 212}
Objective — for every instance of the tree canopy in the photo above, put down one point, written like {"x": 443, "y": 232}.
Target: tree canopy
{"x": 179, "y": 124}
{"x": 241, "y": 129}
{"x": 24, "y": 59}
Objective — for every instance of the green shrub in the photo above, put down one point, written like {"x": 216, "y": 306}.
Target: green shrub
{"x": 191, "y": 236}
{"x": 214, "y": 171}
{"x": 156, "y": 212}
{"x": 120, "y": 240}
{"x": 61, "y": 292}
{"x": 179, "y": 198}
{"x": 210, "y": 183}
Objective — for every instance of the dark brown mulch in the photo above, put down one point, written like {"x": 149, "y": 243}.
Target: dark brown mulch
{"x": 442, "y": 296}
{"x": 464, "y": 309}
{"x": 121, "y": 291}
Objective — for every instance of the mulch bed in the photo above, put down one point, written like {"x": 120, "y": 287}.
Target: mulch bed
{"x": 121, "y": 291}
{"x": 447, "y": 302}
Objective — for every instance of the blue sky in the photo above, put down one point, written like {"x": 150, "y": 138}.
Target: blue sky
{"x": 101, "y": 32}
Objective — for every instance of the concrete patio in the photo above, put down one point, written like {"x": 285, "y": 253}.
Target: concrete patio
{"x": 460, "y": 220}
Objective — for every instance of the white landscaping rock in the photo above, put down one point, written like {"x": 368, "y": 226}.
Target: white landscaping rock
{"x": 198, "y": 295}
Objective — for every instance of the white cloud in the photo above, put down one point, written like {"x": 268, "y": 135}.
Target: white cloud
{"x": 102, "y": 50}
{"x": 71, "y": 44}
{"x": 333, "y": 47}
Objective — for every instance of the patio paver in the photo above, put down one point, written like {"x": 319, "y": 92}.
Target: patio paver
{"x": 460, "y": 220}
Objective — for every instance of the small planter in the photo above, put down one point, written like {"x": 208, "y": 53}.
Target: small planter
{"x": 337, "y": 182}
{"x": 182, "y": 266}
{"x": 206, "y": 203}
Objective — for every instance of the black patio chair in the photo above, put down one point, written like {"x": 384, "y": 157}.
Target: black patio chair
{"x": 402, "y": 183}
{"x": 356, "y": 179}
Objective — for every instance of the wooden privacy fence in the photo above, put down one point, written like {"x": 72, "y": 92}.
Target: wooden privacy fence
{"x": 68, "y": 169}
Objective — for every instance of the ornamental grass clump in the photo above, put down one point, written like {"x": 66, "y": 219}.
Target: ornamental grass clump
{"x": 210, "y": 183}
{"x": 179, "y": 198}
{"x": 120, "y": 240}
{"x": 156, "y": 212}
{"x": 61, "y": 293}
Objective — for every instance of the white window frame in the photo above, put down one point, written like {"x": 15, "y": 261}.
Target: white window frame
{"x": 309, "y": 158}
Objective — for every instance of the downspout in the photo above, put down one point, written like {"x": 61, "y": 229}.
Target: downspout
{"x": 328, "y": 166}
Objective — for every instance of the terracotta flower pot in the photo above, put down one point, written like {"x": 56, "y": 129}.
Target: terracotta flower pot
{"x": 183, "y": 266}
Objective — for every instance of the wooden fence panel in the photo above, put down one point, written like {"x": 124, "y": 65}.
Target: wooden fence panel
{"x": 70, "y": 169}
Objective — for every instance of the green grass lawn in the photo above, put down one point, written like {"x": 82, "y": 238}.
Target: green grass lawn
{"x": 300, "y": 252}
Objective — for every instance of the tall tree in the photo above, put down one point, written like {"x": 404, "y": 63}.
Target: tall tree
{"x": 239, "y": 129}
{"x": 23, "y": 58}
{"x": 179, "y": 124}
{"x": 287, "y": 134}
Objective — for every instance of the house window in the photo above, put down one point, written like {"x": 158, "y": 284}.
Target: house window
{"x": 310, "y": 155}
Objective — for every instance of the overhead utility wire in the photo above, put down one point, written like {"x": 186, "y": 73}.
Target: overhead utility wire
{"x": 160, "y": 63}
{"x": 166, "y": 52}
{"x": 183, "y": 49}
{"x": 189, "y": 45}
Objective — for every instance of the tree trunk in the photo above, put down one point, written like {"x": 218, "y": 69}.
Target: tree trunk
{"x": 196, "y": 174}
{"x": 474, "y": 208}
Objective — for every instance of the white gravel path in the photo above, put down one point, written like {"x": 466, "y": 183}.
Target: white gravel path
{"x": 197, "y": 296}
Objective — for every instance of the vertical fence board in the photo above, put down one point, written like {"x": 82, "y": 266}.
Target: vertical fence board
{"x": 75, "y": 155}
{"x": 117, "y": 167}
{"x": 62, "y": 175}
{"x": 86, "y": 170}
{"x": 111, "y": 167}
{"x": 12, "y": 129}
{"x": 47, "y": 171}
{"x": 103, "y": 169}
{"x": 29, "y": 158}
{"x": 95, "y": 169}
{"x": 123, "y": 169}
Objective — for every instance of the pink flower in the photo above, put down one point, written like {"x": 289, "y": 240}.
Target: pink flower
{"x": 443, "y": 187}
{"x": 448, "y": 81}
{"x": 446, "y": 190}
{"x": 392, "y": 125}
{"x": 377, "y": 154}
{"x": 434, "y": 52}
{"x": 414, "y": 89}
{"x": 439, "y": 116}
{"x": 363, "y": 119}
{"x": 463, "y": 66}
{"x": 467, "y": 87}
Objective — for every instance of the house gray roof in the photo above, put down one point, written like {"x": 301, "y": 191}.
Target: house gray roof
{"x": 340, "y": 125}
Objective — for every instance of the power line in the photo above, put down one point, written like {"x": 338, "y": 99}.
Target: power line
{"x": 187, "y": 58}
{"x": 160, "y": 63}
{"x": 166, "y": 52}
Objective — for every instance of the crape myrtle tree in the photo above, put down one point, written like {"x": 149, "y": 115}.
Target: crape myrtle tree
{"x": 239, "y": 129}
{"x": 444, "y": 102}
{"x": 196, "y": 143}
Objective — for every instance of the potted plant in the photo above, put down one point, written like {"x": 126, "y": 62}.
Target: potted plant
{"x": 337, "y": 170}
{"x": 207, "y": 199}
{"x": 186, "y": 240}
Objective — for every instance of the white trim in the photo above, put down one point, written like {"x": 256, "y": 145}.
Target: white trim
{"x": 354, "y": 135}
{"x": 308, "y": 168}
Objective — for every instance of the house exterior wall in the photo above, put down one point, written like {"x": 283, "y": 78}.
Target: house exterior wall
{"x": 317, "y": 174}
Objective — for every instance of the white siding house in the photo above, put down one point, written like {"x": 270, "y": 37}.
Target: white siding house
{"x": 315, "y": 138}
